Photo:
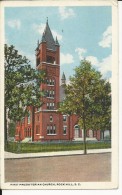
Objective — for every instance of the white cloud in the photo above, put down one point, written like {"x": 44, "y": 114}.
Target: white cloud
{"x": 107, "y": 38}
{"x": 93, "y": 60}
{"x": 6, "y": 41}
{"x": 32, "y": 60}
{"x": 40, "y": 29}
{"x": 81, "y": 52}
{"x": 110, "y": 80}
{"x": 55, "y": 34}
{"x": 104, "y": 65}
{"x": 14, "y": 24}
{"x": 66, "y": 58}
{"x": 66, "y": 12}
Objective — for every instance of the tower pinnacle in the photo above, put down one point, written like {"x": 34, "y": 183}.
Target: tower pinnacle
{"x": 56, "y": 41}
{"x": 47, "y": 20}
{"x": 63, "y": 79}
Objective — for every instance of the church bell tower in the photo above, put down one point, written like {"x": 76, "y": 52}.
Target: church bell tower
{"x": 48, "y": 59}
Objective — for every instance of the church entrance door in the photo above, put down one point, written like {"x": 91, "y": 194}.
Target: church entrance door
{"x": 76, "y": 129}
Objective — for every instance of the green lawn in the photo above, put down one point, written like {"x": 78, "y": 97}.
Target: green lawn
{"x": 51, "y": 147}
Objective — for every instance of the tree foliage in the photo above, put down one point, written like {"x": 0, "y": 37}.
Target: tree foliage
{"x": 89, "y": 96}
{"x": 11, "y": 129}
{"x": 22, "y": 84}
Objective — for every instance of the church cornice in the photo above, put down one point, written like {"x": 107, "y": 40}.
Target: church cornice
{"x": 48, "y": 64}
{"x": 45, "y": 110}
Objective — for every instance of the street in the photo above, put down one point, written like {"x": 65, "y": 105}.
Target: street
{"x": 76, "y": 168}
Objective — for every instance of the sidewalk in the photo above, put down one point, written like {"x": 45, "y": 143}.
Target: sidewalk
{"x": 8, "y": 155}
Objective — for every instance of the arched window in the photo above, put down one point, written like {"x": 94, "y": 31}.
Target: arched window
{"x": 64, "y": 118}
{"x": 54, "y": 129}
{"x": 64, "y": 130}
{"x": 29, "y": 117}
{"x": 50, "y": 82}
{"x": 53, "y": 82}
{"x": 50, "y": 59}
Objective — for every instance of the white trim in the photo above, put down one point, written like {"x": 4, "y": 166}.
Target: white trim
{"x": 49, "y": 64}
{"x": 37, "y": 133}
{"x": 49, "y": 110}
{"x": 46, "y": 111}
{"x": 51, "y": 134}
{"x": 50, "y": 85}
{"x": 50, "y": 97}
{"x": 51, "y": 50}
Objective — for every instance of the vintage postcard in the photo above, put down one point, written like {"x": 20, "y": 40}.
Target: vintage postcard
{"x": 59, "y": 94}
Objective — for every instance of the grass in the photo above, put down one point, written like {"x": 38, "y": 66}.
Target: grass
{"x": 52, "y": 147}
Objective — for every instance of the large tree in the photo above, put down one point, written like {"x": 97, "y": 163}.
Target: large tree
{"x": 89, "y": 97}
{"x": 22, "y": 85}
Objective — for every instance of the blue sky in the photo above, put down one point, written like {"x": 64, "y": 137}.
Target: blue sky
{"x": 83, "y": 32}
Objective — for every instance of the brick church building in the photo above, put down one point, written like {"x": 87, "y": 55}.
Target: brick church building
{"x": 46, "y": 123}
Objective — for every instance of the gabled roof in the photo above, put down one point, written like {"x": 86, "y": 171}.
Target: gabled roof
{"x": 48, "y": 38}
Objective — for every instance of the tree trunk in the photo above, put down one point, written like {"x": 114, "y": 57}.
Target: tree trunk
{"x": 84, "y": 123}
{"x": 33, "y": 122}
{"x": 84, "y": 134}
{"x": 20, "y": 132}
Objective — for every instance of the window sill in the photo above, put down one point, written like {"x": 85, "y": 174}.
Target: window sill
{"x": 50, "y": 97}
{"x": 51, "y": 134}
